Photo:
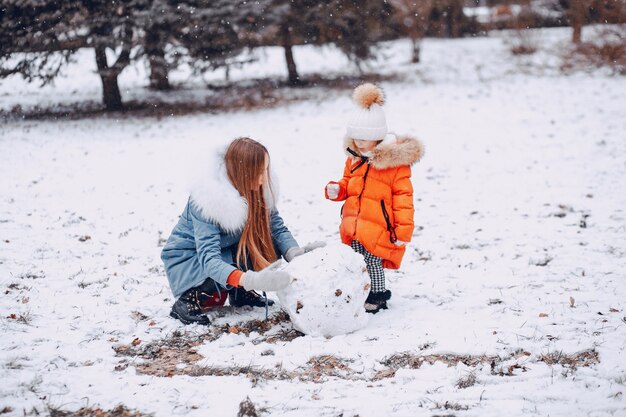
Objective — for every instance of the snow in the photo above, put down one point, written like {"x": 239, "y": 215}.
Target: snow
{"x": 328, "y": 292}
{"x": 519, "y": 210}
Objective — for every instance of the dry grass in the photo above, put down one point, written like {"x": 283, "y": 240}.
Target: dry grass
{"x": 119, "y": 411}
{"x": 447, "y": 405}
{"x": 177, "y": 355}
{"x": 467, "y": 381}
{"x": 247, "y": 409}
{"x": 609, "y": 50}
{"x": 584, "y": 359}
{"x": 409, "y": 360}
{"x": 523, "y": 50}
{"x": 24, "y": 318}
{"x": 163, "y": 357}
{"x": 246, "y": 95}
{"x": 312, "y": 372}
{"x": 524, "y": 42}
{"x": 412, "y": 361}
{"x": 507, "y": 370}
{"x": 166, "y": 361}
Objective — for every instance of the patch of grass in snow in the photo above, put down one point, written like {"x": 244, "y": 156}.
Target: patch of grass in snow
{"x": 16, "y": 286}
{"x": 584, "y": 358}
{"x": 119, "y": 411}
{"x": 316, "y": 370}
{"x": 164, "y": 357}
{"x": 32, "y": 275}
{"x": 466, "y": 381}
{"x": 246, "y": 95}
{"x": 248, "y": 409}
{"x": 15, "y": 363}
{"x": 607, "y": 50}
{"x": 507, "y": 370}
{"x": 84, "y": 284}
{"x": 413, "y": 361}
{"x": 24, "y": 318}
{"x": 177, "y": 355}
{"x": 450, "y": 406}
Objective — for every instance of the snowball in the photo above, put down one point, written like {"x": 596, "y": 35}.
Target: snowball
{"x": 329, "y": 290}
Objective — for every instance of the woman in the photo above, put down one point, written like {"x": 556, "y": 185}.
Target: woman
{"x": 229, "y": 229}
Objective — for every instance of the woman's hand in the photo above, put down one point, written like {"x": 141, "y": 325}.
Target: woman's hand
{"x": 265, "y": 280}
{"x": 296, "y": 251}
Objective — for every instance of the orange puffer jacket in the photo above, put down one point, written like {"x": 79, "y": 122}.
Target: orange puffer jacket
{"x": 378, "y": 194}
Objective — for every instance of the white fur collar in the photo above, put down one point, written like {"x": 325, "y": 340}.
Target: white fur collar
{"x": 393, "y": 151}
{"x": 214, "y": 196}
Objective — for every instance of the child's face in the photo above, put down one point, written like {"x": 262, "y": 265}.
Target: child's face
{"x": 365, "y": 145}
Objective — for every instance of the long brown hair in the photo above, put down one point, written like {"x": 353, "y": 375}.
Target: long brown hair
{"x": 245, "y": 164}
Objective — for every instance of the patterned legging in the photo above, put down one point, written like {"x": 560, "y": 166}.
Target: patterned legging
{"x": 374, "y": 267}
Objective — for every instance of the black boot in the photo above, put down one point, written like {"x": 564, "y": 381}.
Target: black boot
{"x": 377, "y": 301}
{"x": 188, "y": 306}
{"x": 239, "y": 297}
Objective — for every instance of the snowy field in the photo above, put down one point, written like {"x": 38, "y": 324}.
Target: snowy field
{"x": 510, "y": 301}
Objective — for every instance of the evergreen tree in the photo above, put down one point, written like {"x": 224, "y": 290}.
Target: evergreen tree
{"x": 353, "y": 26}
{"x": 37, "y": 39}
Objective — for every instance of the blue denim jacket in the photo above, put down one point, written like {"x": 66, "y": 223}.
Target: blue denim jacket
{"x": 199, "y": 249}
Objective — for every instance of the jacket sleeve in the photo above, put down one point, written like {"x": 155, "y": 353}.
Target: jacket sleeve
{"x": 343, "y": 184}
{"x": 282, "y": 237}
{"x": 402, "y": 204}
{"x": 207, "y": 236}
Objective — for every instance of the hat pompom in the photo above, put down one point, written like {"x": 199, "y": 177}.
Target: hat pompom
{"x": 367, "y": 94}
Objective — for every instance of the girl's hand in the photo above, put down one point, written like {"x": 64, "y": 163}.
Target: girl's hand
{"x": 332, "y": 190}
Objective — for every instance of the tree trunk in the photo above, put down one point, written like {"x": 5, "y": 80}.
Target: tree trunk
{"x": 158, "y": 72}
{"x": 294, "y": 78}
{"x": 158, "y": 65}
{"x": 110, "y": 90}
{"x": 415, "y": 58}
{"x": 577, "y": 17}
{"x": 577, "y": 30}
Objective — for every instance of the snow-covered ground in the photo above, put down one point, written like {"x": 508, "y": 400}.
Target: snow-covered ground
{"x": 511, "y": 296}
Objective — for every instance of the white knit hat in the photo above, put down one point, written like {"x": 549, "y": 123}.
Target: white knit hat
{"x": 368, "y": 122}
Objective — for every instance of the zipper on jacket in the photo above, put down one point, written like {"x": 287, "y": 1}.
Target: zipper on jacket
{"x": 367, "y": 170}
{"x": 392, "y": 231}
{"x": 364, "y": 160}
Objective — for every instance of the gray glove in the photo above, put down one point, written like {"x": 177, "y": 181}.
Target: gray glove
{"x": 265, "y": 280}
{"x": 296, "y": 251}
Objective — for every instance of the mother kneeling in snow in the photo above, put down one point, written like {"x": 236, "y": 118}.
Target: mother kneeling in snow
{"x": 229, "y": 229}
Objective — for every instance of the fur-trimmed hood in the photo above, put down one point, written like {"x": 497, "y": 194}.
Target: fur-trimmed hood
{"x": 217, "y": 200}
{"x": 392, "y": 152}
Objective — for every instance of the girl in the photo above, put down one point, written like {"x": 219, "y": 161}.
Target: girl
{"x": 229, "y": 229}
{"x": 377, "y": 216}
